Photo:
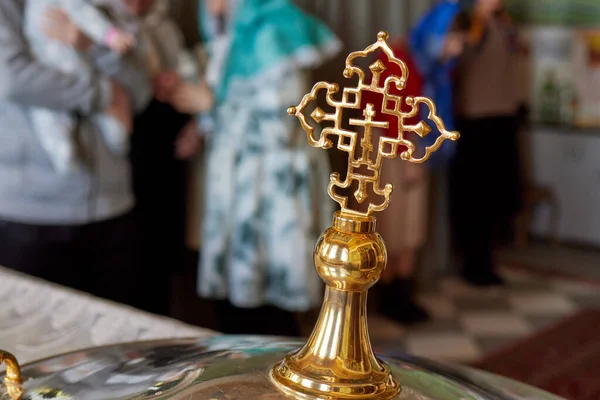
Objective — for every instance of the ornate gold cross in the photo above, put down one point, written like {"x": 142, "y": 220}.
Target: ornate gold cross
{"x": 387, "y": 147}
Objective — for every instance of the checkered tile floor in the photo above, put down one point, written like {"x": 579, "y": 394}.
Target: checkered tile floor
{"x": 468, "y": 323}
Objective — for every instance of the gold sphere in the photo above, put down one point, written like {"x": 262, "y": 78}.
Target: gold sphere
{"x": 348, "y": 260}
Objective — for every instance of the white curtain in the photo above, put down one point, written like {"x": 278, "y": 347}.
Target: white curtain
{"x": 355, "y": 21}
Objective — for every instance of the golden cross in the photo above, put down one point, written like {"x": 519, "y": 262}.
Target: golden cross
{"x": 348, "y": 140}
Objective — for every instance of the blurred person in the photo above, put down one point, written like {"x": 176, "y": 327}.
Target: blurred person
{"x": 435, "y": 47}
{"x": 473, "y": 50}
{"x": 264, "y": 203}
{"x": 55, "y": 129}
{"x": 74, "y": 229}
{"x": 403, "y": 224}
{"x": 487, "y": 101}
{"x": 163, "y": 139}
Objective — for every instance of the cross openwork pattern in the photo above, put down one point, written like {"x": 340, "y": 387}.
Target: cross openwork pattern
{"x": 365, "y": 169}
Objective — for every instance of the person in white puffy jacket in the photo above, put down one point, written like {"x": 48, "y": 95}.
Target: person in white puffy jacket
{"x": 56, "y": 129}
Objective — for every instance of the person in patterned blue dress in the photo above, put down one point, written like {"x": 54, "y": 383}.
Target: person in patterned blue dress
{"x": 265, "y": 193}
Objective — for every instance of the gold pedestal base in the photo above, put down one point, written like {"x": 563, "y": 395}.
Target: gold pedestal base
{"x": 330, "y": 366}
{"x": 338, "y": 362}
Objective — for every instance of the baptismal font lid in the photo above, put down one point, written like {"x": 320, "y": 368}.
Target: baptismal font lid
{"x": 337, "y": 361}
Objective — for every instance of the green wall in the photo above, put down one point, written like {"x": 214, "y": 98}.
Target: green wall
{"x": 577, "y": 13}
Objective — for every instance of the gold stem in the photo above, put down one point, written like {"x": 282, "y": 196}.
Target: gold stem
{"x": 342, "y": 312}
{"x": 13, "y": 379}
{"x": 338, "y": 362}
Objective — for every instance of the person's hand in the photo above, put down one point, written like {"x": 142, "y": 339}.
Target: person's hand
{"x": 188, "y": 142}
{"x": 453, "y": 46}
{"x": 120, "y": 106}
{"x": 524, "y": 47}
{"x": 120, "y": 42}
{"x": 192, "y": 99}
{"x": 217, "y": 7}
{"x": 58, "y": 26}
{"x": 412, "y": 174}
{"x": 165, "y": 84}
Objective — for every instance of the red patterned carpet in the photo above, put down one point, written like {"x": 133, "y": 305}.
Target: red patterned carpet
{"x": 564, "y": 359}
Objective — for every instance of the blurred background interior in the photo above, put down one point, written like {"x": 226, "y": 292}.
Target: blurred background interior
{"x": 496, "y": 263}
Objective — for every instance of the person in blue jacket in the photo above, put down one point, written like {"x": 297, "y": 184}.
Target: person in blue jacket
{"x": 435, "y": 44}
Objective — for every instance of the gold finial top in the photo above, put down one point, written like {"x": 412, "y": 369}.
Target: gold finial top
{"x": 365, "y": 169}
